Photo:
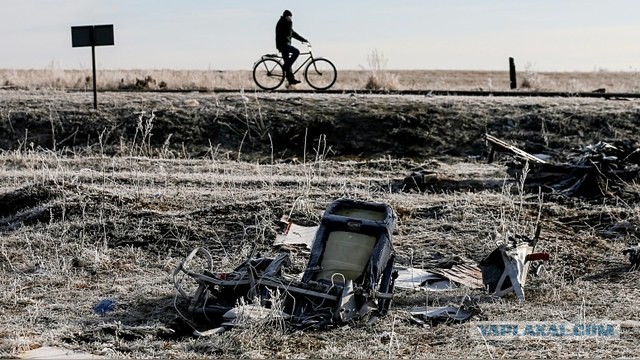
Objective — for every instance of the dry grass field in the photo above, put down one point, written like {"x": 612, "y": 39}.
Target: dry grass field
{"x": 104, "y": 204}
{"x": 376, "y": 76}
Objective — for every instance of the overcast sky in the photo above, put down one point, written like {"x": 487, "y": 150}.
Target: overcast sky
{"x": 542, "y": 35}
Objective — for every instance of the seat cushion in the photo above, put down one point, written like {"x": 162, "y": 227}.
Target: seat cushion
{"x": 346, "y": 253}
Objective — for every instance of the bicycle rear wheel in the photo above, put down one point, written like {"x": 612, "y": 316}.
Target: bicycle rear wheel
{"x": 268, "y": 74}
{"x": 320, "y": 74}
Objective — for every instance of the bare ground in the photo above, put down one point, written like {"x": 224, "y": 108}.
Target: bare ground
{"x": 104, "y": 204}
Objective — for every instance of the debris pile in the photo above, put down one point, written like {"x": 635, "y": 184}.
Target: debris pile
{"x": 593, "y": 172}
{"x": 445, "y": 274}
{"x": 502, "y": 272}
{"x": 349, "y": 275}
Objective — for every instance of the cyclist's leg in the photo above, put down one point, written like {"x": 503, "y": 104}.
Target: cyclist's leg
{"x": 286, "y": 65}
{"x": 289, "y": 54}
{"x": 294, "y": 53}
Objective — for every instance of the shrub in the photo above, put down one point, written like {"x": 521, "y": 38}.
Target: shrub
{"x": 379, "y": 78}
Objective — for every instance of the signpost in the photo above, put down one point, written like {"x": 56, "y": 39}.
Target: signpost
{"x": 512, "y": 73}
{"x": 92, "y": 35}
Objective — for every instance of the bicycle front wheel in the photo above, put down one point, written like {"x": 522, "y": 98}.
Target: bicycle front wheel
{"x": 268, "y": 74}
{"x": 320, "y": 74}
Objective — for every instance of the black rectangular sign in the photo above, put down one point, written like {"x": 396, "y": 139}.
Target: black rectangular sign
{"x": 98, "y": 35}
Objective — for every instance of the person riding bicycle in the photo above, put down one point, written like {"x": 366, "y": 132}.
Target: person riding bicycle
{"x": 284, "y": 33}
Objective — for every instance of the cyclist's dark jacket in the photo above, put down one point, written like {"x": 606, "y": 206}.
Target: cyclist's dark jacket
{"x": 284, "y": 33}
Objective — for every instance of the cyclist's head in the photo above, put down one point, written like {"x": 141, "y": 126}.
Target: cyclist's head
{"x": 287, "y": 13}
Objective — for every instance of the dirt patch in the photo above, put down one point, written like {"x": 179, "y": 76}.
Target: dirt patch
{"x": 26, "y": 197}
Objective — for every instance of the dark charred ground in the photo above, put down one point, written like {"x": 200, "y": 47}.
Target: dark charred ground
{"x": 282, "y": 126}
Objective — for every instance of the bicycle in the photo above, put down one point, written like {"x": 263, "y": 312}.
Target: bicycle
{"x": 319, "y": 73}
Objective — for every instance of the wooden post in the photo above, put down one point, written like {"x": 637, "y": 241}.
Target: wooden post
{"x": 512, "y": 73}
{"x": 95, "y": 90}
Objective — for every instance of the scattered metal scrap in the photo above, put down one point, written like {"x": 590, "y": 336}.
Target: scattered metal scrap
{"x": 498, "y": 145}
{"x": 411, "y": 278}
{"x": 502, "y": 272}
{"x": 595, "y": 171}
{"x": 429, "y": 314}
{"x": 294, "y": 234}
{"x": 506, "y": 268}
{"x": 463, "y": 274}
{"x": 349, "y": 275}
{"x": 439, "y": 279}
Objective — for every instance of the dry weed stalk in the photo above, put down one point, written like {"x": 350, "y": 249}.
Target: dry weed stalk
{"x": 143, "y": 128}
{"x": 379, "y": 78}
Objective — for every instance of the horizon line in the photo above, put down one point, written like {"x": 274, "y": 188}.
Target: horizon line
{"x": 340, "y": 70}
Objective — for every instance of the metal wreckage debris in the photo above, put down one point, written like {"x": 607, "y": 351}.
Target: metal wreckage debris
{"x": 510, "y": 262}
{"x": 592, "y": 172}
{"x": 350, "y": 276}
{"x": 506, "y": 268}
{"x": 504, "y": 271}
{"x": 351, "y": 273}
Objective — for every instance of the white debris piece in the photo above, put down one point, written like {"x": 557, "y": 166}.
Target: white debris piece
{"x": 296, "y": 235}
{"x": 411, "y": 278}
{"x": 439, "y": 279}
